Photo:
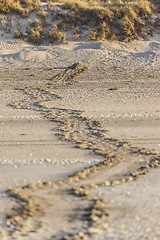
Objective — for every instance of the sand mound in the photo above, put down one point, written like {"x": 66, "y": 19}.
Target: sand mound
{"x": 15, "y": 54}
{"x": 34, "y": 56}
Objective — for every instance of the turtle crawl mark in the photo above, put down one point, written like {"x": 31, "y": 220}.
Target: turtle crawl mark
{"x": 33, "y": 201}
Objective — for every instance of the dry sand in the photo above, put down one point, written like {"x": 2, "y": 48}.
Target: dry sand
{"x": 57, "y": 122}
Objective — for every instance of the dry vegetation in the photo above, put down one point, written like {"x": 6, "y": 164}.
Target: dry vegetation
{"x": 23, "y": 7}
{"x": 123, "y": 20}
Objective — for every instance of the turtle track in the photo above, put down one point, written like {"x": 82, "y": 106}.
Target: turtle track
{"x": 120, "y": 163}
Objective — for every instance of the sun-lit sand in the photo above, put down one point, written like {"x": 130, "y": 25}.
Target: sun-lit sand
{"x": 80, "y": 145}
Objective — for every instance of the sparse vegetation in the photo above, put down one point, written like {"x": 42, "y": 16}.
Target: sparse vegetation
{"x": 17, "y": 34}
{"x": 35, "y": 34}
{"x": 123, "y": 20}
{"x": 56, "y": 36}
{"x": 23, "y": 7}
{"x": 42, "y": 13}
{"x": 76, "y": 36}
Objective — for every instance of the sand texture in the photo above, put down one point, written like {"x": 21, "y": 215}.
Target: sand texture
{"x": 80, "y": 145}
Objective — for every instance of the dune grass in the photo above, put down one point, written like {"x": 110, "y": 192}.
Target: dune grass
{"x": 112, "y": 19}
{"x": 22, "y": 7}
{"x": 123, "y": 20}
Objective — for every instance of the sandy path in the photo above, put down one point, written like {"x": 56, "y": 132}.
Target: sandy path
{"x": 80, "y": 105}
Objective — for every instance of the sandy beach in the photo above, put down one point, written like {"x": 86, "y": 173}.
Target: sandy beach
{"x": 80, "y": 145}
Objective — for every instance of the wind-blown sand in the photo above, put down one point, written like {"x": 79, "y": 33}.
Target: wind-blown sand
{"x": 56, "y": 121}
